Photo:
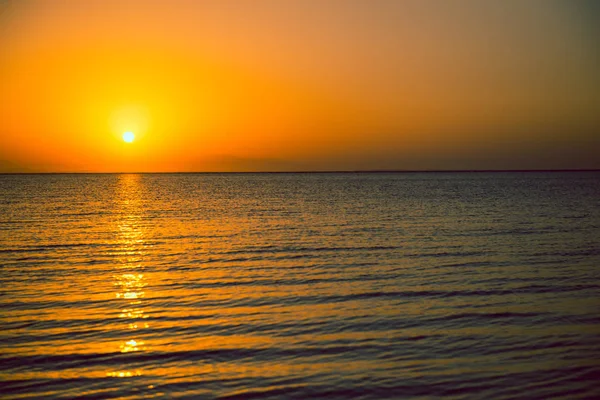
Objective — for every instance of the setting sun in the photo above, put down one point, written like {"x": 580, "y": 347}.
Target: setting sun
{"x": 128, "y": 137}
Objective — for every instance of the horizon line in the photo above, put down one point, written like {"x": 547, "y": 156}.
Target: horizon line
{"x": 367, "y": 171}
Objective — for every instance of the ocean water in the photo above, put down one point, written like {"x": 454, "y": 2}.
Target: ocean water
{"x": 300, "y": 286}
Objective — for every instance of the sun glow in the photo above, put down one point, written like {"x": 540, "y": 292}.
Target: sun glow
{"x": 128, "y": 137}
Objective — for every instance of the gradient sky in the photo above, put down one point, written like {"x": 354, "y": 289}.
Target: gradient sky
{"x": 260, "y": 85}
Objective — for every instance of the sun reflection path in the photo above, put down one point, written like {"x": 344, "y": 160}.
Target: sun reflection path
{"x": 129, "y": 279}
{"x": 131, "y": 291}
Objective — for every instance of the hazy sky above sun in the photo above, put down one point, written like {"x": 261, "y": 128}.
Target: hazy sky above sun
{"x": 282, "y": 85}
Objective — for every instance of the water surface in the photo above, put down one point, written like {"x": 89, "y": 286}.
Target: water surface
{"x": 300, "y": 286}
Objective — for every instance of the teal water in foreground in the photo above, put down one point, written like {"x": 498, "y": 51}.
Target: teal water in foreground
{"x": 300, "y": 286}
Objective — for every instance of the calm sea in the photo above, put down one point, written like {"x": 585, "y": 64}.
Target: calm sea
{"x": 300, "y": 286}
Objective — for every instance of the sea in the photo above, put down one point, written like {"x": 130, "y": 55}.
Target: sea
{"x": 454, "y": 285}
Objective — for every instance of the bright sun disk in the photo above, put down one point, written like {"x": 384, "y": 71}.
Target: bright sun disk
{"x": 128, "y": 137}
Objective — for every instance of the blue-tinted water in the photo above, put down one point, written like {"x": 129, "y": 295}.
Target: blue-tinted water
{"x": 300, "y": 286}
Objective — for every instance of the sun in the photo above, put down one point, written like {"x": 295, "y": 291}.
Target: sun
{"x": 128, "y": 137}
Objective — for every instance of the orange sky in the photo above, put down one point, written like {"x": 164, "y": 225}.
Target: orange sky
{"x": 272, "y": 85}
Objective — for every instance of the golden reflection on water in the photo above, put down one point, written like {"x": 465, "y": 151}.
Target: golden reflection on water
{"x": 123, "y": 374}
{"x": 129, "y": 279}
